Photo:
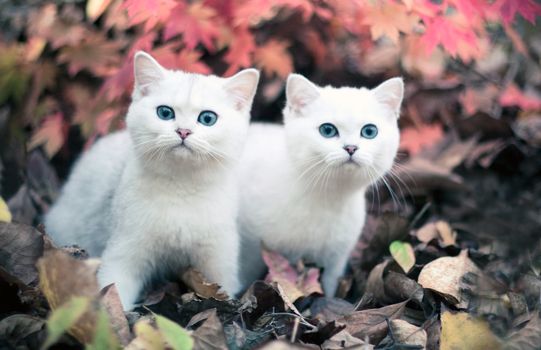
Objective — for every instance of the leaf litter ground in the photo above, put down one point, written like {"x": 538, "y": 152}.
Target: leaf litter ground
{"x": 451, "y": 258}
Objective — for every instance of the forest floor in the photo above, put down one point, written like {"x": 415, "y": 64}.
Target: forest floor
{"x": 450, "y": 257}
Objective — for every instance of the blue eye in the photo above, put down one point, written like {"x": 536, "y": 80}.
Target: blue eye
{"x": 369, "y": 131}
{"x": 207, "y": 118}
{"x": 328, "y": 130}
{"x": 165, "y": 112}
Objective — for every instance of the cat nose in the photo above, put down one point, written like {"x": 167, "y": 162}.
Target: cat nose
{"x": 184, "y": 133}
{"x": 350, "y": 149}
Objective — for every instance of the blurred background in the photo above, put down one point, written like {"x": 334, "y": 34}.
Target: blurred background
{"x": 472, "y": 72}
{"x": 468, "y": 174}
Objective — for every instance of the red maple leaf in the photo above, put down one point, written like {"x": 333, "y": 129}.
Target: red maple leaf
{"x": 240, "y": 50}
{"x": 196, "y": 22}
{"x": 51, "y": 134}
{"x": 415, "y": 139}
{"x": 528, "y": 9}
{"x": 388, "y": 19}
{"x": 121, "y": 81}
{"x": 513, "y": 96}
{"x": 187, "y": 60}
{"x": 455, "y": 34}
{"x": 150, "y": 12}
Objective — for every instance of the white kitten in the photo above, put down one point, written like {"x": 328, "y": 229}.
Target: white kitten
{"x": 162, "y": 195}
{"x": 304, "y": 184}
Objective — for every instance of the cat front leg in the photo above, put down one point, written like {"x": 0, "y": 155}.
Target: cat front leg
{"x": 122, "y": 268}
{"x": 334, "y": 266}
{"x": 218, "y": 262}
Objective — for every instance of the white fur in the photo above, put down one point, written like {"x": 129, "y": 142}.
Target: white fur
{"x": 146, "y": 204}
{"x": 299, "y": 196}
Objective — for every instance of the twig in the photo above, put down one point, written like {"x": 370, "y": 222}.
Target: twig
{"x": 295, "y": 330}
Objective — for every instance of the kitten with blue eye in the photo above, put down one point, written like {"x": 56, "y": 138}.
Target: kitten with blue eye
{"x": 304, "y": 183}
{"x": 162, "y": 195}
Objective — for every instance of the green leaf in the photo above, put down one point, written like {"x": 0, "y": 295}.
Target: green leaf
{"x": 403, "y": 254}
{"x": 176, "y": 336}
{"x": 63, "y": 318}
{"x": 104, "y": 338}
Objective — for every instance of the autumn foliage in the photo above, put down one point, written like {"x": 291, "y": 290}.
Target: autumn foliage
{"x": 65, "y": 65}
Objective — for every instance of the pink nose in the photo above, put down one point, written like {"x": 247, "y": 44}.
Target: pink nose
{"x": 184, "y": 133}
{"x": 350, "y": 149}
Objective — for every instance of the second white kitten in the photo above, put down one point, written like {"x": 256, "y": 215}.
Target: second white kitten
{"x": 304, "y": 184}
{"x": 162, "y": 195}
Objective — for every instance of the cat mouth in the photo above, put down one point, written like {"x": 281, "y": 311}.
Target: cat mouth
{"x": 351, "y": 162}
{"x": 182, "y": 145}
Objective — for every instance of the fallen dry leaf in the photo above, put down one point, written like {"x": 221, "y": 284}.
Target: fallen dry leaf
{"x": 210, "y": 335}
{"x": 294, "y": 283}
{"x": 443, "y": 276}
{"x": 329, "y": 309}
{"x": 372, "y": 323}
{"x": 20, "y": 248}
{"x": 61, "y": 278}
{"x": 462, "y": 331}
{"x": 197, "y": 282}
{"x": 146, "y": 337}
{"x": 112, "y": 304}
{"x": 439, "y": 230}
{"x": 526, "y": 338}
{"x": 22, "y": 331}
{"x": 399, "y": 287}
{"x": 406, "y": 333}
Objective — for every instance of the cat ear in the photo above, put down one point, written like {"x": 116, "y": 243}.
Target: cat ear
{"x": 300, "y": 91}
{"x": 147, "y": 71}
{"x": 391, "y": 93}
{"x": 242, "y": 87}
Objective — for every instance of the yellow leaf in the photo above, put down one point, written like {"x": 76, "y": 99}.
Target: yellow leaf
{"x": 146, "y": 337}
{"x": 94, "y": 8}
{"x": 5, "y": 214}
{"x": 461, "y": 331}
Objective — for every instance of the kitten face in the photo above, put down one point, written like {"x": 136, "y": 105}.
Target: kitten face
{"x": 348, "y": 134}
{"x": 177, "y": 117}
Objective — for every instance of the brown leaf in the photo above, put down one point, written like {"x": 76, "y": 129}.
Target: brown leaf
{"x": 374, "y": 284}
{"x": 406, "y": 333}
{"x": 22, "y": 331}
{"x": 528, "y": 337}
{"x": 440, "y": 230}
{"x": 63, "y": 277}
{"x": 329, "y": 309}
{"x": 199, "y": 284}
{"x": 399, "y": 287}
{"x": 295, "y": 283}
{"x": 112, "y": 304}
{"x": 372, "y": 323}
{"x": 20, "y": 247}
{"x": 443, "y": 276}
{"x": 210, "y": 335}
